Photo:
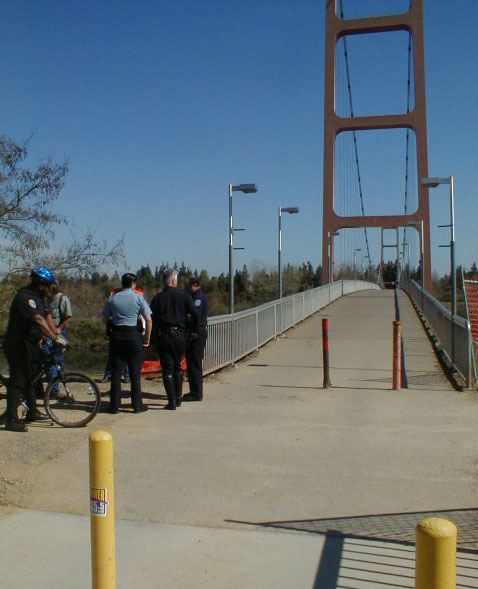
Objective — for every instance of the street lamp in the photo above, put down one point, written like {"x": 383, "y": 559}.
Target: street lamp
{"x": 247, "y": 189}
{"x": 291, "y": 211}
{"x": 330, "y": 260}
{"x": 367, "y": 257}
{"x": 357, "y": 249}
{"x": 433, "y": 183}
{"x": 406, "y": 260}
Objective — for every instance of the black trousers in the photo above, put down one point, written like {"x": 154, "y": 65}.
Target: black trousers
{"x": 126, "y": 347}
{"x": 194, "y": 356}
{"x": 24, "y": 362}
{"x": 171, "y": 348}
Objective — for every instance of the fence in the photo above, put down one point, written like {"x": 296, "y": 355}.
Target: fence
{"x": 440, "y": 320}
{"x": 231, "y": 337}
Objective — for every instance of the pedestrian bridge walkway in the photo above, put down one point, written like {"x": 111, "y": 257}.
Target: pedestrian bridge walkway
{"x": 360, "y": 328}
{"x": 272, "y": 481}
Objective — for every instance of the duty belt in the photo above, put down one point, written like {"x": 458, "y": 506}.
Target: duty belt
{"x": 171, "y": 330}
{"x": 124, "y": 328}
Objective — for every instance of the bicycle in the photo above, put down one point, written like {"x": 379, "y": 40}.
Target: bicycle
{"x": 71, "y": 399}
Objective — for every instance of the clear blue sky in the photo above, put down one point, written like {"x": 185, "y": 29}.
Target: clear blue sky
{"x": 160, "y": 105}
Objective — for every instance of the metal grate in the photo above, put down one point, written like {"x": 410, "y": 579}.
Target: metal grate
{"x": 397, "y": 527}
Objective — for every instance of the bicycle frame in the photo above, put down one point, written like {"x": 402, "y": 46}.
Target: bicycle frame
{"x": 42, "y": 375}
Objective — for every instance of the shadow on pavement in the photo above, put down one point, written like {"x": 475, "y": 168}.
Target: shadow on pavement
{"x": 389, "y": 527}
{"x": 379, "y": 550}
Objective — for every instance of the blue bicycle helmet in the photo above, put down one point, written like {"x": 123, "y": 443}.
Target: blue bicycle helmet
{"x": 42, "y": 275}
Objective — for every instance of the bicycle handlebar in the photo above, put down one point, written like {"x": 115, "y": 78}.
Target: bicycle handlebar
{"x": 61, "y": 341}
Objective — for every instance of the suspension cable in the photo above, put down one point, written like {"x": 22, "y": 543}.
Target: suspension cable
{"x": 357, "y": 165}
{"x": 407, "y": 141}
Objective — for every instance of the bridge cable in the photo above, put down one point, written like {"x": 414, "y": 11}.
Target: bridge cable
{"x": 357, "y": 165}
{"x": 407, "y": 143}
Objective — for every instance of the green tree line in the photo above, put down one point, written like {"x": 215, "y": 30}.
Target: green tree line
{"x": 89, "y": 292}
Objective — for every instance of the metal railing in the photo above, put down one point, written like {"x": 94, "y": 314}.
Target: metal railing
{"x": 440, "y": 320}
{"x": 230, "y": 338}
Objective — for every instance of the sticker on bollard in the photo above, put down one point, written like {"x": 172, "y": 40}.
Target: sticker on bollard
{"x": 98, "y": 502}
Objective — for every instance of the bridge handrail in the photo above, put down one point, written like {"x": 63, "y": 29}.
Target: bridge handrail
{"x": 231, "y": 337}
{"x": 440, "y": 320}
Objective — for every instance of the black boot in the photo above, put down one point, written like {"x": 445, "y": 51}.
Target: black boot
{"x": 169, "y": 387}
{"x": 178, "y": 382}
{"x": 192, "y": 397}
{"x": 15, "y": 425}
{"x": 14, "y": 414}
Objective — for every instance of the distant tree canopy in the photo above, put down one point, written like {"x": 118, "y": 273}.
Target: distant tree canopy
{"x": 251, "y": 287}
{"x": 89, "y": 292}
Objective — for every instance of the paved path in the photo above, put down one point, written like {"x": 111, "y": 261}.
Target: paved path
{"x": 247, "y": 488}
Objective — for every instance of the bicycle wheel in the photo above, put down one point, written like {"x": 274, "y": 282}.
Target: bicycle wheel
{"x": 3, "y": 398}
{"x": 76, "y": 401}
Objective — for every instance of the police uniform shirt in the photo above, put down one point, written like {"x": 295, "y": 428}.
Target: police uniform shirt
{"x": 200, "y": 302}
{"x": 170, "y": 307}
{"x": 27, "y": 303}
{"x": 123, "y": 308}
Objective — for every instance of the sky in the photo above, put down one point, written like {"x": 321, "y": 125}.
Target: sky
{"x": 159, "y": 105}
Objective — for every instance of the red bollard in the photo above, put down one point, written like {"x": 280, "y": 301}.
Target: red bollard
{"x": 397, "y": 356}
{"x": 325, "y": 352}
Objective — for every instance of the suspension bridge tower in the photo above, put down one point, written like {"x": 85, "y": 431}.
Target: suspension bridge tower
{"x": 415, "y": 119}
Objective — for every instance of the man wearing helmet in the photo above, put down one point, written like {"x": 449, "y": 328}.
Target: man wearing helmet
{"x": 28, "y": 321}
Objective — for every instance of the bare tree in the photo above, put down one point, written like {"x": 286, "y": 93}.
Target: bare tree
{"x": 27, "y": 222}
{"x": 25, "y": 194}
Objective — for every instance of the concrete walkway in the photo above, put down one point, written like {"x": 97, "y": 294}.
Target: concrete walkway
{"x": 271, "y": 481}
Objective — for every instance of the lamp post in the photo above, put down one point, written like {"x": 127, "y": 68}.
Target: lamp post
{"x": 357, "y": 249}
{"x": 330, "y": 259}
{"x": 247, "y": 189}
{"x": 433, "y": 183}
{"x": 406, "y": 260}
{"x": 367, "y": 257}
{"x": 291, "y": 211}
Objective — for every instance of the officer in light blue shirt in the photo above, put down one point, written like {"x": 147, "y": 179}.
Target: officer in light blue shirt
{"x": 122, "y": 312}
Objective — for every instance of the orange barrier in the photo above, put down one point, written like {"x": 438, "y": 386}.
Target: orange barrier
{"x": 325, "y": 352}
{"x": 152, "y": 366}
{"x": 470, "y": 284}
{"x": 149, "y": 366}
{"x": 397, "y": 356}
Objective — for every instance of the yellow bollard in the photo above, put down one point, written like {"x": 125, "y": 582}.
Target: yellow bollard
{"x": 435, "y": 557}
{"x": 102, "y": 511}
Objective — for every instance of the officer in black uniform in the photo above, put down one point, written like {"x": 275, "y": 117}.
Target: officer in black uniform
{"x": 169, "y": 308}
{"x": 196, "y": 342}
{"x": 28, "y": 321}
{"x": 123, "y": 309}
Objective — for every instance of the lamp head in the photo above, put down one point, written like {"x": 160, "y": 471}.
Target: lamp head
{"x": 434, "y": 182}
{"x": 290, "y": 210}
{"x": 246, "y": 188}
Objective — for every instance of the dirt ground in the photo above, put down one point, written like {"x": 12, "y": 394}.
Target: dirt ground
{"x": 21, "y": 455}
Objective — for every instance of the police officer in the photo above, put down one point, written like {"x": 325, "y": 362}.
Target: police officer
{"x": 28, "y": 321}
{"x": 126, "y": 343}
{"x": 170, "y": 308}
{"x": 196, "y": 342}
